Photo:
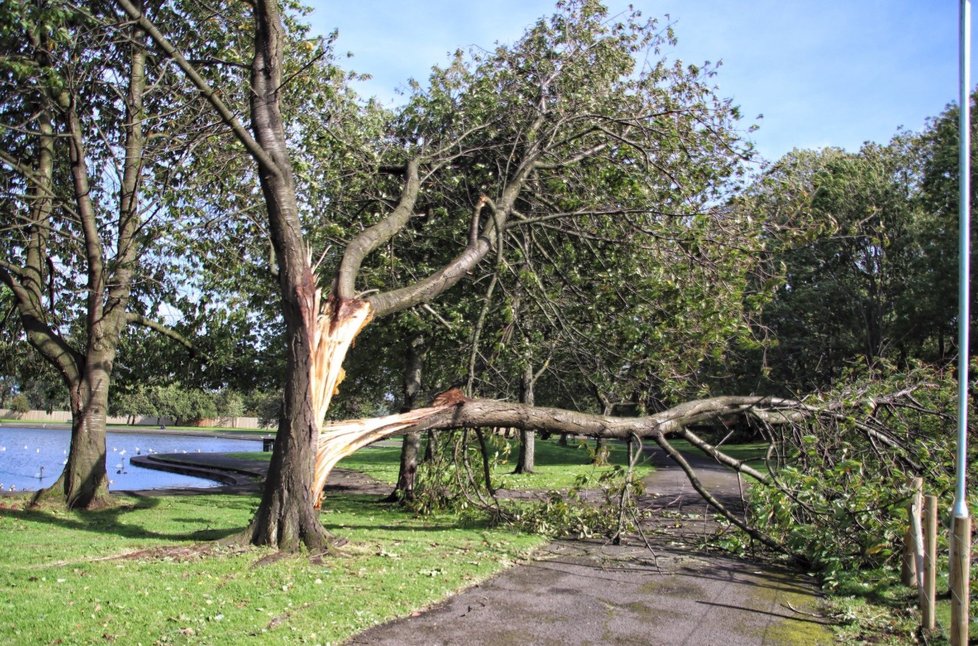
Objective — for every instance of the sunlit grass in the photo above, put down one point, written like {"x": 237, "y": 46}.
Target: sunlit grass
{"x": 63, "y": 584}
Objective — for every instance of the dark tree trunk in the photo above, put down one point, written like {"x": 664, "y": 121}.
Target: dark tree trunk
{"x": 526, "y": 462}
{"x": 83, "y": 483}
{"x": 430, "y": 449}
{"x": 413, "y": 365}
{"x": 287, "y": 516}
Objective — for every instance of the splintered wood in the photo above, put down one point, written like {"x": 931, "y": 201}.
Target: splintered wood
{"x": 337, "y": 326}
{"x": 340, "y": 439}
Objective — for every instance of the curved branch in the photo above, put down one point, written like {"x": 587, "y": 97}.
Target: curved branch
{"x": 438, "y": 282}
{"x": 42, "y": 336}
{"x": 369, "y": 239}
{"x": 139, "y": 319}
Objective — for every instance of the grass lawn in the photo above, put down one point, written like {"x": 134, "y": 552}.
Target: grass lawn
{"x": 559, "y": 467}
{"x": 63, "y": 580}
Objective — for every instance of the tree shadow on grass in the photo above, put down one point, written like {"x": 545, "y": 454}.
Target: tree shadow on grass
{"x": 117, "y": 520}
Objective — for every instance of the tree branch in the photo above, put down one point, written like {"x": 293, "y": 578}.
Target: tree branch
{"x": 473, "y": 413}
{"x": 212, "y": 96}
{"x": 139, "y": 319}
{"x": 428, "y": 288}
{"x": 373, "y": 237}
{"x": 710, "y": 498}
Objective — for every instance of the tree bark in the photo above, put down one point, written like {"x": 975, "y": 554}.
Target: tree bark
{"x": 287, "y": 516}
{"x": 83, "y": 483}
{"x": 526, "y": 462}
{"x": 414, "y": 364}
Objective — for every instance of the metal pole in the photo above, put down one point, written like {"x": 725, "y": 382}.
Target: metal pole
{"x": 964, "y": 254}
{"x": 961, "y": 524}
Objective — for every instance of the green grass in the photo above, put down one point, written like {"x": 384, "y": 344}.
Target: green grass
{"x": 873, "y": 606}
{"x": 559, "y": 467}
{"x": 61, "y": 583}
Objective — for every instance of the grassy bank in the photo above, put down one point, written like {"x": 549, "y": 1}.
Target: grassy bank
{"x": 136, "y": 575}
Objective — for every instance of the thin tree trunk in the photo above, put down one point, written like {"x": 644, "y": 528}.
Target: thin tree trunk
{"x": 601, "y": 449}
{"x": 414, "y": 364}
{"x": 430, "y": 449}
{"x": 526, "y": 462}
{"x": 486, "y": 467}
{"x": 601, "y": 452}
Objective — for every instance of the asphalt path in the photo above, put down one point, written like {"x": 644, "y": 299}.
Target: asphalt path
{"x": 665, "y": 592}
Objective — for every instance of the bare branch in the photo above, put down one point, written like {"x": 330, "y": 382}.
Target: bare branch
{"x": 240, "y": 132}
{"x": 139, "y": 319}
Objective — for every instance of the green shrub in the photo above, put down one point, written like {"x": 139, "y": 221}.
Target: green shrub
{"x": 842, "y": 481}
{"x": 19, "y": 404}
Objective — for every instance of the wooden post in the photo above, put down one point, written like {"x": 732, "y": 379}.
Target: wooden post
{"x": 928, "y": 619}
{"x": 908, "y": 571}
{"x": 960, "y": 580}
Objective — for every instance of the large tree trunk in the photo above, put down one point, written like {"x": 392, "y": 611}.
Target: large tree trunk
{"x": 287, "y": 517}
{"x": 83, "y": 483}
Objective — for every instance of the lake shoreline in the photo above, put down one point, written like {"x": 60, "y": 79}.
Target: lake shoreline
{"x": 225, "y": 433}
{"x": 32, "y": 455}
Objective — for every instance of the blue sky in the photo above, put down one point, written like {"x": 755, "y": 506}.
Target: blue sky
{"x": 826, "y": 73}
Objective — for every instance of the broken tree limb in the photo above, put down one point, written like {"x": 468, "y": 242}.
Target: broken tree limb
{"x": 475, "y": 413}
{"x": 340, "y": 439}
{"x": 710, "y": 498}
{"x": 451, "y": 410}
{"x": 723, "y": 458}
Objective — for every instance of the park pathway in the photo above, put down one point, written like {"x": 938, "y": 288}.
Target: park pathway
{"x": 589, "y": 592}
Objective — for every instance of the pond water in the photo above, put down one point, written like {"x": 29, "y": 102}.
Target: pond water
{"x": 32, "y": 458}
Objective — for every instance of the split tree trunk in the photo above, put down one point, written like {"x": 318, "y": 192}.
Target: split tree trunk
{"x": 287, "y": 517}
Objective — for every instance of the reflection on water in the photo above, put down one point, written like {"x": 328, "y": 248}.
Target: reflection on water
{"x": 32, "y": 458}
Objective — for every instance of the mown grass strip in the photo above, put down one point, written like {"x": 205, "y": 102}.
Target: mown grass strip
{"x": 67, "y": 577}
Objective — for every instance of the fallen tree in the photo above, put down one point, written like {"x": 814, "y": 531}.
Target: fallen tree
{"x": 837, "y": 467}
